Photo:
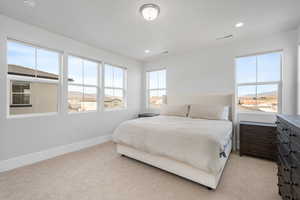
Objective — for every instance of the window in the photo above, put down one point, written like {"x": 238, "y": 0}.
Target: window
{"x": 156, "y": 88}
{"x": 259, "y": 82}
{"x": 114, "y": 87}
{"x": 83, "y": 84}
{"x": 20, "y": 94}
{"x": 33, "y": 74}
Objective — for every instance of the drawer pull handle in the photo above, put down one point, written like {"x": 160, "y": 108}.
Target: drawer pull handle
{"x": 292, "y": 135}
{"x": 279, "y": 185}
{"x": 288, "y": 183}
{"x": 293, "y": 167}
{"x": 295, "y": 184}
{"x": 286, "y": 169}
{"x": 293, "y": 152}
{"x": 277, "y": 122}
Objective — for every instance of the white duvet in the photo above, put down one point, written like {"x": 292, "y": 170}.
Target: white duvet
{"x": 196, "y": 142}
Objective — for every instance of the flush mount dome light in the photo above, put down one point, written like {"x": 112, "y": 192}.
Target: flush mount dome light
{"x": 30, "y": 3}
{"x": 150, "y": 11}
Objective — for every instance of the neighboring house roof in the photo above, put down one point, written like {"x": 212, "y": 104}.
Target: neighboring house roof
{"x": 26, "y": 71}
{"x": 111, "y": 99}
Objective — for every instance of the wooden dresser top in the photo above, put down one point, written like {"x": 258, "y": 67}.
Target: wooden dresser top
{"x": 293, "y": 119}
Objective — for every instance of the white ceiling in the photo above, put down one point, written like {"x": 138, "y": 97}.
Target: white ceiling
{"x": 183, "y": 25}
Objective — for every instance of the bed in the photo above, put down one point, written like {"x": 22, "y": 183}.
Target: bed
{"x": 193, "y": 148}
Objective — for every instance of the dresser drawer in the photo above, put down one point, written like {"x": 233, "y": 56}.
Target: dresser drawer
{"x": 284, "y": 170}
{"x": 283, "y": 138}
{"x": 258, "y": 140}
{"x": 258, "y": 132}
{"x": 296, "y": 191}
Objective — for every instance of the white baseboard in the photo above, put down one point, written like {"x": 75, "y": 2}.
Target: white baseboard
{"x": 31, "y": 158}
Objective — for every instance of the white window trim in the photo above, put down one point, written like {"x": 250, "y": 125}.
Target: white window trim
{"x": 10, "y": 77}
{"x": 148, "y": 106}
{"x": 98, "y": 86}
{"x": 278, "y": 83}
{"x": 124, "y": 89}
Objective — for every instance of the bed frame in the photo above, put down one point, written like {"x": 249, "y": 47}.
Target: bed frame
{"x": 179, "y": 168}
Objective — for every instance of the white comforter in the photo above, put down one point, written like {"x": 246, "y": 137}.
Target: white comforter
{"x": 196, "y": 142}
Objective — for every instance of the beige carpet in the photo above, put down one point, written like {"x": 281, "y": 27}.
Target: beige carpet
{"x": 100, "y": 173}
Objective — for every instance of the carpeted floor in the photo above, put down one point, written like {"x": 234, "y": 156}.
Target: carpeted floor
{"x": 100, "y": 173}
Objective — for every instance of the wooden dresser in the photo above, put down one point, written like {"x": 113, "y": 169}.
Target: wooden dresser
{"x": 258, "y": 140}
{"x": 288, "y": 156}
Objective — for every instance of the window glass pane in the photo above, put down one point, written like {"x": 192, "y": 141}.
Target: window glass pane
{"x": 118, "y": 77}
{"x": 246, "y": 69}
{"x": 20, "y": 59}
{"x": 47, "y": 64}
{"x": 114, "y": 98}
{"x": 108, "y": 75}
{"x": 90, "y": 99}
{"x": 75, "y": 98}
{"x": 21, "y": 99}
{"x": 268, "y": 67}
{"x": 75, "y": 70}
{"x": 267, "y": 98}
{"x": 153, "y": 80}
{"x": 43, "y": 98}
{"x": 90, "y": 72}
{"x": 20, "y": 87}
{"x": 162, "y": 79}
{"x": 156, "y": 98}
{"x": 247, "y": 98}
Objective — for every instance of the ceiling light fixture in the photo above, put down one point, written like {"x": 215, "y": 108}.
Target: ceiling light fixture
{"x": 147, "y": 51}
{"x": 30, "y": 3}
{"x": 149, "y": 11}
{"x": 239, "y": 24}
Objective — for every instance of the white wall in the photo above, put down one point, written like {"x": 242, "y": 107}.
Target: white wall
{"x": 19, "y": 136}
{"x": 212, "y": 70}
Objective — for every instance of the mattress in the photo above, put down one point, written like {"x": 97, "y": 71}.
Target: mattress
{"x": 197, "y": 142}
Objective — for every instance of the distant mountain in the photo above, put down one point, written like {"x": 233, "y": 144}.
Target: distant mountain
{"x": 273, "y": 93}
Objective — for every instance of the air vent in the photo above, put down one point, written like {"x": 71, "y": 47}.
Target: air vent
{"x": 225, "y": 37}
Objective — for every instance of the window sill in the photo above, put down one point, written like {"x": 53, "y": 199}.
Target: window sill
{"x": 20, "y": 106}
{"x": 32, "y": 115}
{"x": 82, "y": 112}
{"x": 115, "y": 109}
{"x": 257, "y": 117}
{"x": 257, "y": 113}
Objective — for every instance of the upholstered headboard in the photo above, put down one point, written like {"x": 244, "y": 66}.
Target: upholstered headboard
{"x": 206, "y": 99}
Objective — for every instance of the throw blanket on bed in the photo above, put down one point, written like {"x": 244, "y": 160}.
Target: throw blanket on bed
{"x": 196, "y": 142}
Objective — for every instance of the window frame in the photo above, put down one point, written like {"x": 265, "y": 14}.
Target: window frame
{"x": 124, "y": 89}
{"x": 256, "y": 83}
{"x": 98, "y": 86}
{"x": 148, "y": 105}
{"x": 33, "y": 79}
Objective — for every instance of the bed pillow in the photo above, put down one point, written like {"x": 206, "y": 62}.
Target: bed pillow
{"x": 174, "y": 110}
{"x": 217, "y": 112}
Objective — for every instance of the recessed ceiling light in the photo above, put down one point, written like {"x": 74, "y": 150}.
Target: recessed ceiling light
{"x": 239, "y": 24}
{"x": 147, "y": 51}
{"x": 30, "y": 3}
{"x": 150, "y": 11}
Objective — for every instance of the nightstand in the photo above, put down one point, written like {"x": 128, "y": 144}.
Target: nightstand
{"x": 147, "y": 115}
{"x": 258, "y": 140}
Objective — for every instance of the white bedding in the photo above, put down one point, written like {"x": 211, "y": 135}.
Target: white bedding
{"x": 196, "y": 142}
